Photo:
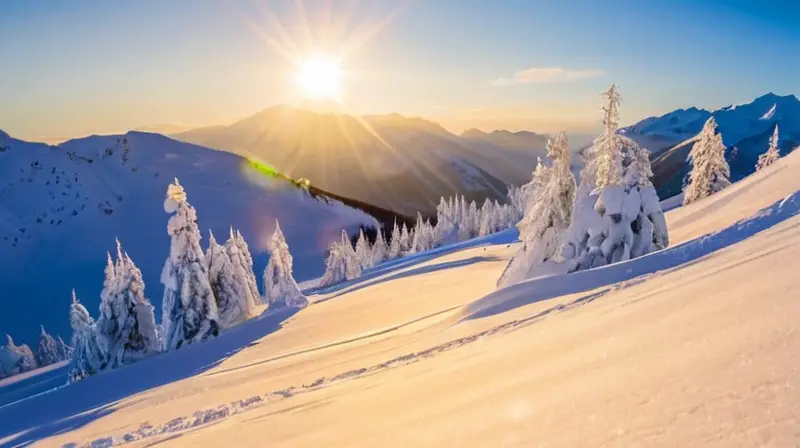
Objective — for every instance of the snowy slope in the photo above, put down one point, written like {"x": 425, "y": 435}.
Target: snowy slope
{"x": 745, "y": 129}
{"x": 402, "y": 163}
{"x": 693, "y": 345}
{"x": 62, "y": 207}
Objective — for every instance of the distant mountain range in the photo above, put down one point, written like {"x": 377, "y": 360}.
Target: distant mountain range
{"x": 402, "y": 163}
{"x": 61, "y": 208}
{"x": 745, "y": 130}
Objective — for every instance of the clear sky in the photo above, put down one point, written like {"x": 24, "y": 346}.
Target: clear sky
{"x": 71, "y": 68}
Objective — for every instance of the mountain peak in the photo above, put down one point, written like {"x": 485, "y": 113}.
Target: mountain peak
{"x": 473, "y": 133}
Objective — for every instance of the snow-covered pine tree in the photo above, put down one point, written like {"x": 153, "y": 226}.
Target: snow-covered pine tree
{"x": 617, "y": 214}
{"x": 608, "y": 156}
{"x": 379, "y": 250}
{"x": 126, "y": 329}
{"x": 405, "y": 240}
{"x": 247, "y": 265}
{"x": 547, "y": 217}
{"x": 242, "y": 274}
{"x": 362, "y": 251}
{"x": 710, "y": 172}
{"x": 341, "y": 263}
{"x": 773, "y": 152}
{"x": 395, "y": 247}
{"x": 487, "y": 217}
{"x": 189, "y": 308}
{"x": 280, "y": 288}
{"x": 228, "y": 284}
{"x": 47, "y": 350}
{"x": 87, "y": 356}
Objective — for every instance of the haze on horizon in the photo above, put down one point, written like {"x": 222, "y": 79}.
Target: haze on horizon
{"x": 102, "y": 67}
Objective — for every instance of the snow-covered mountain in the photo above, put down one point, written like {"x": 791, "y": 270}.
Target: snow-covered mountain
{"x": 61, "y": 208}
{"x": 745, "y": 131}
{"x": 402, "y": 163}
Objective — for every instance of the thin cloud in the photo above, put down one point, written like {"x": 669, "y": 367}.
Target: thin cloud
{"x": 538, "y": 75}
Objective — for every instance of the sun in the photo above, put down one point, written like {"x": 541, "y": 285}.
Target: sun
{"x": 320, "y": 78}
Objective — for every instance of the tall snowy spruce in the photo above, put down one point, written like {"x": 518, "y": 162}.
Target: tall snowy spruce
{"x": 405, "y": 240}
{"x": 363, "y": 253}
{"x": 280, "y": 288}
{"x": 395, "y": 248}
{"x": 246, "y": 261}
{"x": 379, "y": 251}
{"x": 87, "y": 355}
{"x": 189, "y": 307}
{"x": 617, "y": 214}
{"x": 341, "y": 264}
{"x": 48, "y": 351}
{"x": 229, "y": 285}
{"x": 126, "y": 328}
{"x": 710, "y": 172}
{"x": 547, "y": 217}
{"x": 773, "y": 152}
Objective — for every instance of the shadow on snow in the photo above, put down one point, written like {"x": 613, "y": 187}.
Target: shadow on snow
{"x": 73, "y": 406}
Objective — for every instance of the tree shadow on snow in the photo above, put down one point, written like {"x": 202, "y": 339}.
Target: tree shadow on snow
{"x": 412, "y": 272}
{"x": 73, "y": 406}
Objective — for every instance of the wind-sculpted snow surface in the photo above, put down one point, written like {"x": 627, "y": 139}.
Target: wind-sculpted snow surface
{"x": 558, "y": 285}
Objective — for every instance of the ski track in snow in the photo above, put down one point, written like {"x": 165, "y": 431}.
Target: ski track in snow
{"x": 637, "y": 271}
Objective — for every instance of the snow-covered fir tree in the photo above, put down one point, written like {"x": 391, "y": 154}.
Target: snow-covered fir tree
{"x": 405, "y": 240}
{"x": 189, "y": 308}
{"x": 87, "y": 356}
{"x": 280, "y": 288}
{"x": 15, "y": 358}
{"x": 379, "y": 251}
{"x": 126, "y": 329}
{"x": 395, "y": 248}
{"x": 242, "y": 272}
{"x": 363, "y": 253}
{"x": 608, "y": 156}
{"x": 773, "y": 152}
{"x": 228, "y": 283}
{"x": 246, "y": 262}
{"x": 617, "y": 214}
{"x": 710, "y": 172}
{"x": 47, "y": 352}
{"x": 547, "y": 217}
{"x": 341, "y": 264}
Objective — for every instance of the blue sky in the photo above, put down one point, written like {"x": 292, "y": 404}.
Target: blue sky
{"x": 71, "y": 68}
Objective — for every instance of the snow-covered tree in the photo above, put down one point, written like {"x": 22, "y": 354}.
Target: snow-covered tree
{"x": 47, "y": 352}
{"x": 379, "y": 251}
{"x": 87, "y": 356}
{"x": 15, "y": 359}
{"x": 405, "y": 240}
{"x": 608, "y": 156}
{"x": 246, "y": 261}
{"x": 280, "y": 288}
{"x": 773, "y": 152}
{"x": 189, "y": 307}
{"x": 126, "y": 329}
{"x": 342, "y": 263}
{"x": 710, "y": 172}
{"x": 362, "y": 251}
{"x": 547, "y": 217}
{"x": 617, "y": 214}
{"x": 228, "y": 283}
{"x": 395, "y": 247}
